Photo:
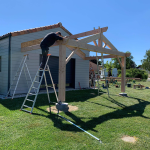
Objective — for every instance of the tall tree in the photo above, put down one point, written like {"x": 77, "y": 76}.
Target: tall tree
{"x": 146, "y": 61}
{"x": 129, "y": 62}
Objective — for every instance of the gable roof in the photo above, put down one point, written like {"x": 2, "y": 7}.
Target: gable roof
{"x": 16, "y": 33}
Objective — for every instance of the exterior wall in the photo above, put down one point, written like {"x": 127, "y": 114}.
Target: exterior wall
{"x": 33, "y": 61}
{"x": 4, "y": 45}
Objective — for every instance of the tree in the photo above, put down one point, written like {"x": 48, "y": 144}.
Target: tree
{"x": 108, "y": 65}
{"x": 129, "y": 62}
{"x": 146, "y": 61}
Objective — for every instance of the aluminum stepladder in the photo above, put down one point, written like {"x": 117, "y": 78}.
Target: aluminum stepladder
{"x": 99, "y": 77}
{"x": 46, "y": 68}
{"x": 21, "y": 67}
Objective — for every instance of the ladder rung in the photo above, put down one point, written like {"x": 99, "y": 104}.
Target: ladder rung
{"x": 30, "y": 100}
{"x": 37, "y": 81}
{"x": 27, "y": 106}
{"x": 38, "y": 76}
{"x": 41, "y": 70}
{"x": 32, "y": 94}
{"x": 34, "y": 88}
{"x": 26, "y": 110}
{"x": 50, "y": 86}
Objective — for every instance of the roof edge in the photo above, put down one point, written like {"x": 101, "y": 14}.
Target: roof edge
{"x": 22, "y": 32}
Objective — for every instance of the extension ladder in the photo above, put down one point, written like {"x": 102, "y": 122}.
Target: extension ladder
{"x": 17, "y": 76}
{"x": 46, "y": 68}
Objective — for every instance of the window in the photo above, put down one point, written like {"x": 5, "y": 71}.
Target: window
{"x": 0, "y": 63}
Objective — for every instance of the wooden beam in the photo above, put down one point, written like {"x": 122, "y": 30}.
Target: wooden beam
{"x": 119, "y": 62}
{"x": 95, "y": 43}
{"x": 30, "y": 43}
{"x": 78, "y": 52}
{"x": 84, "y": 46}
{"x": 88, "y": 33}
{"x": 69, "y": 57}
{"x": 123, "y": 74}
{"x": 62, "y": 73}
{"x": 127, "y": 54}
{"x": 90, "y": 38}
{"x": 100, "y": 57}
{"x": 35, "y": 47}
{"x": 109, "y": 44}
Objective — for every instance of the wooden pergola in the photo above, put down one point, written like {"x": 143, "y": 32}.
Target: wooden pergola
{"x": 76, "y": 46}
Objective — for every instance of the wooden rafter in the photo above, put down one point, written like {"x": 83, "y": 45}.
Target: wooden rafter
{"x": 90, "y": 38}
{"x": 109, "y": 44}
{"x": 88, "y": 33}
{"x": 84, "y": 46}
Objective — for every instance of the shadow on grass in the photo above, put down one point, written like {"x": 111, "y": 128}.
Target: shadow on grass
{"x": 42, "y": 100}
{"x": 81, "y": 96}
{"x": 124, "y": 112}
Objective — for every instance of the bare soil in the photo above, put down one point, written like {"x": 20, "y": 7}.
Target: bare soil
{"x": 71, "y": 108}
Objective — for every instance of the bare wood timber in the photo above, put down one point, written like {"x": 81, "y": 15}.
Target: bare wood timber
{"x": 109, "y": 44}
{"x": 34, "y": 47}
{"x": 62, "y": 73}
{"x": 78, "y": 52}
{"x": 95, "y": 43}
{"x": 88, "y": 33}
{"x": 123, "y": 74}
{"x": 90, "y": 38}
{"x": 69, "y": 57}
{"x": 30, "y": 43}
{"x": 88, "y": 47}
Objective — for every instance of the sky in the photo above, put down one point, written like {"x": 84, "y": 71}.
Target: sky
{"x": 128, "y": 21}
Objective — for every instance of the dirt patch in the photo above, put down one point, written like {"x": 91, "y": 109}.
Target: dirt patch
{"x": 129, "y": 139}
{"x": 71, "y": 108}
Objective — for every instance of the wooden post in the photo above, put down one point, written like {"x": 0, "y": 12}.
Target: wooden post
{"x": 62, "y": 73}
{"x": 123, "y": 74}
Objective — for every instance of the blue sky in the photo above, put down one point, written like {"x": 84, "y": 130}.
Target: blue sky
{"x": 128, "y": 21}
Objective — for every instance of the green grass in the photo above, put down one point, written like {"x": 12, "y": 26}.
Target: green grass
{"x": 108, "y": 118}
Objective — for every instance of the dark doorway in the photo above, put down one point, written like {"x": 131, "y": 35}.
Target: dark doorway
{"x": 54, "y": 66}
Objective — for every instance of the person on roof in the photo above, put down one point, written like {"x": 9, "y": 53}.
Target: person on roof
{"x": 47, "y": 42}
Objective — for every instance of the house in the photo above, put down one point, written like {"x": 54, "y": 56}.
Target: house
{"x": 77, "y": 70}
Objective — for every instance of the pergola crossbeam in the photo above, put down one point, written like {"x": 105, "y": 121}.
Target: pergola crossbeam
{"x": 88, "y": 33}
{"x": 90, "y": 38}
{"x": 84, "y": 46}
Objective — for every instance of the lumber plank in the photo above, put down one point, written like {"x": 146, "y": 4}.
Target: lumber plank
{"x": 100, "y": 57}
{"x": 90, "y": 38}
{"x": 88, "y": 33}
{"x": 88, "y": 47}
{"x": 37, "y": 46}
{"x": 62, "y": 73}
{"x": 123, "y": 74}
{"x": 78, "y": 52}
{"x": 30, "y": 43}
{"x": 69, "y": 57}
{"x": 109, "y": 44}
{"x": 119, "y": 62}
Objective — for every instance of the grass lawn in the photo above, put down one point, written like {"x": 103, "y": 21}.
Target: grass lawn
{"x": 107, "y": 118}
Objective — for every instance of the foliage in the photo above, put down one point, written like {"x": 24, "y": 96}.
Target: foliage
{"x": 129, "y": 62}
{"x": 134, "y": 73}
{"x": 108, "y": 65}
{"x": 146, "y": 61}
